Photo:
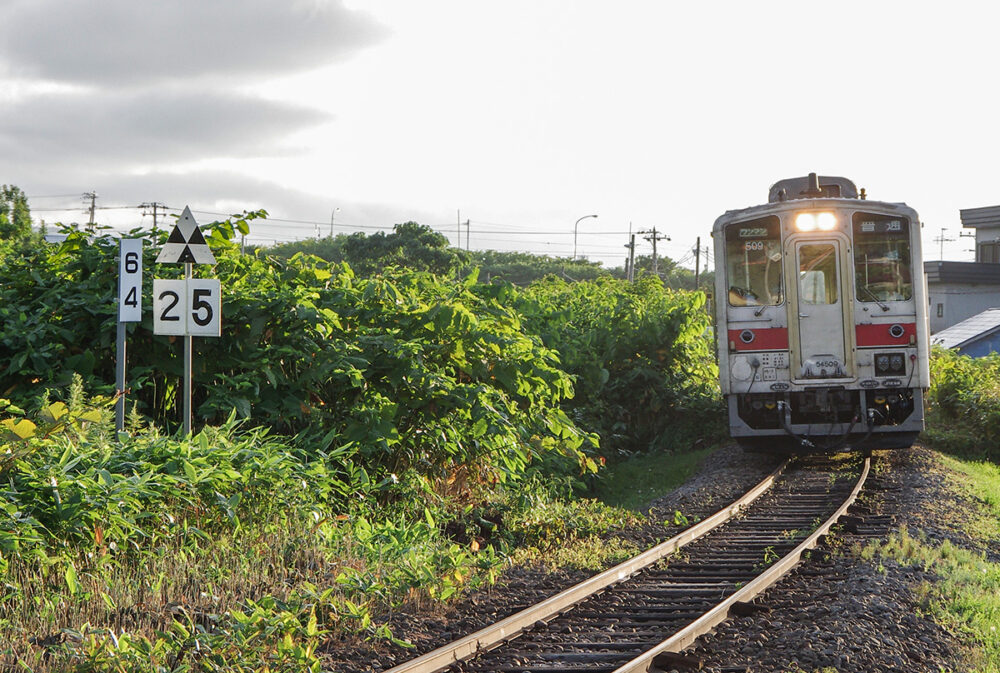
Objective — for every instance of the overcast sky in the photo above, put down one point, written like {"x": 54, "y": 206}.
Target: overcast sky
{"x": 523, "y": 115}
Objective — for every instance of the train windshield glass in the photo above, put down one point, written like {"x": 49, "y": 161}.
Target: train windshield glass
{"x": 753, "y": 263}
{"x": 882, "y": 269}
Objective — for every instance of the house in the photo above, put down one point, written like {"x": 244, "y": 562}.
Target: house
{"x": 960, "y": 290}
{"x": 976, "y": 336}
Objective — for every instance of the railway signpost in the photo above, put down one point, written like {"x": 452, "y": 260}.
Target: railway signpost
{"x": 129, "y": 310}
{"x": 191, "y": 306}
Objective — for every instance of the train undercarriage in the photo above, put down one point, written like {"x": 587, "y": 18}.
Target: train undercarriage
{"x": 826, "y": 419}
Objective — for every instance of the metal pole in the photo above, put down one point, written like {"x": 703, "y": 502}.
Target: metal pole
{"x": 576, "y": 226}
{"x": 188, "y": 273}
{"x": 697, "y": 262}
{"x": 120, "y": 377}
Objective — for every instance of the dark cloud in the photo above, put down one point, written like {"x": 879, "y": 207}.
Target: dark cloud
{"x": 124, "y": 42}
{"x": 146, "y": 128}
{"x": 208, "y": 192}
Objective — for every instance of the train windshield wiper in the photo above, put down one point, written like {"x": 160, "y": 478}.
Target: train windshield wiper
{"x": 874, "y": 297}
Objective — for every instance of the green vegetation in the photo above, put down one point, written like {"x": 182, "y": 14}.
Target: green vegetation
{"x": 640, "y": 352}
{"x": 521, "y": 268}
{"x": 233, "y": 550}
{"x": 371, "y": 433}
{"x": 963, "y": 404}
{"x": 15, "y": 216}
{"x": 640, "y": 479}
{"x": 410, "y": 245}
{"x": 966, "y": 598}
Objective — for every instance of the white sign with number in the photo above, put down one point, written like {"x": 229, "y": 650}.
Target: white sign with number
{"x": 130, "y": 280}
{"x": 190, "y": 307}
{"x": 169, "y": 307}
{"x": 204, "y": 309}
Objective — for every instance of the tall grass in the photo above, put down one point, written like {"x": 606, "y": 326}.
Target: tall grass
{"x": 963, "y": 404}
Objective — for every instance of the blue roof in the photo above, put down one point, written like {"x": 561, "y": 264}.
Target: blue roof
{"x": 970, "y": 329}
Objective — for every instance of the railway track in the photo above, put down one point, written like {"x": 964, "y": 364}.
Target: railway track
{"x": 640, "y": 614}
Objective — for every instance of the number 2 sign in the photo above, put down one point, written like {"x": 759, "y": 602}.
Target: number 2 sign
{"x": 191, "y": 307}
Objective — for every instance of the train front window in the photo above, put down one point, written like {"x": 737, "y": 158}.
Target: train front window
{"x": 818, "y": 273}
{"x": 882, "y": 270}
{"x": 753, "y": 263}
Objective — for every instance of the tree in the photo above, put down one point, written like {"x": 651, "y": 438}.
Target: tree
{"x": 522, "y": 268}
{"x": 15, "y": 217}
{"x": 410, "y": 246}
{"x": 674, "y": 276}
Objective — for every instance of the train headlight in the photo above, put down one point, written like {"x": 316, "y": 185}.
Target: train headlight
{"x": 826, "y": 221}
{"x": 805, "y": 222}
{"x": 814, "y": 221}
{"x": 882, "y": 363}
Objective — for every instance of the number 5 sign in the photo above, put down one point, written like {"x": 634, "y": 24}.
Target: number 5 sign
{"x": 191, "y": 307}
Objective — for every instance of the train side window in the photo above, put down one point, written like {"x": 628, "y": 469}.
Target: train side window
{"x": 882, "y": 263}
{"x": 753, "y": 262}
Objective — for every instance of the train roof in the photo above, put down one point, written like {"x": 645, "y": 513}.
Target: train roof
{"x": 811, "y": 191}
{"x": 812, "y": 187}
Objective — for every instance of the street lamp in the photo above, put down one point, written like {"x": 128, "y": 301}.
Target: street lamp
{"x": 331, "y": 220}
{"x": 574, "y": 232}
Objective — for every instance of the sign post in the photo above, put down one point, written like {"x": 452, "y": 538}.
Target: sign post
{"x": 188, "y": 307}
{"x": 129, "y": 310}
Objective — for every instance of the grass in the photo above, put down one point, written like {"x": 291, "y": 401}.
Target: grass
{"x": 967, "y": 597}
{"x": 634, "y": 483}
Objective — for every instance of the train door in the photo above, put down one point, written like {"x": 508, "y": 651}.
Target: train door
{"x": 820, "y": 340}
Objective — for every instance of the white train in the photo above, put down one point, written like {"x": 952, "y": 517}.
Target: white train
{"x": 821, "y": 319}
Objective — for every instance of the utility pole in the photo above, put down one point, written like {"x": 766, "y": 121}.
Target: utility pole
{"x": 630, "y": 260}
{"x": 155, "y": 205}
{"x": 697, "y": 261}
{"x": 654, "y": 237}
{"x": 332, "y": 213}
{"x": 92, "y": 195}
{"x": 467, "y": 234}
{"x": 942, "y": 240}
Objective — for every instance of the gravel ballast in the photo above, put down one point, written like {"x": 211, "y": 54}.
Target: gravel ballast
{"x": 834, "y": 612}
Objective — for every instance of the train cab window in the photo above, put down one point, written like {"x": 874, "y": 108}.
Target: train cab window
{"x": 818, "y": 273}
{"x": 753, "y": 262}
{"x": 882, "y": 263}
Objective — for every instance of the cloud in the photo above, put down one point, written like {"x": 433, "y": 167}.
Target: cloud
{"x": 146, "y": 127}
{"x": 129, "y": 43}
{"x": 216, "y": 191}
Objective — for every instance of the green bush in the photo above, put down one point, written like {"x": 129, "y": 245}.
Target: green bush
{"x": 641, "y": 354}
{"x": 963, "y": 404}
{"x": 406, "y": 370}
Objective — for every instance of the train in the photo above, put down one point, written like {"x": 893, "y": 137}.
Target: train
{"x": 821, "y": 319}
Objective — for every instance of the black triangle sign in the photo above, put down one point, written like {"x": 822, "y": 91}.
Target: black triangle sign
{"x": 176, "y": 236}
{"x": 196, "y": 238}
{"x": 186, "y": 256}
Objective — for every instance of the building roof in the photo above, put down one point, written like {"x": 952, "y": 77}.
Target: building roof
{"x": 970, "y": 329}
{"x": 973, "y": 273}
{"x": 981, "y": 218}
